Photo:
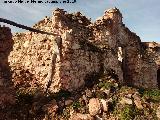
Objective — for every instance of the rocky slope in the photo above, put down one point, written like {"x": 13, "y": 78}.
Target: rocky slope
{"x": 103, "y": 99}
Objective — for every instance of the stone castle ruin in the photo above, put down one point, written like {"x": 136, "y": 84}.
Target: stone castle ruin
{"x": 78, "y": 52}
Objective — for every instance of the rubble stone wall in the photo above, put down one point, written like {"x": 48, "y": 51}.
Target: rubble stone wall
{"x": 105, "y": 31}
{"x": 76, "y": 60}
{"x": 153, "y": 51}
{"x": 133, "y": 65}
{"x": 33, "y": 60}
{"x": 139, "y": 68}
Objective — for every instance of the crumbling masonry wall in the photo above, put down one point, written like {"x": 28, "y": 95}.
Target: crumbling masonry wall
{"x": 105, "y": 32}
{"x": 130, "y": 58}
{"x": 83, "y": 48}
{"x": 153, "y": 51}
{"x": 76, "y": 58}
{"x": 31, "y": 62}
{"x": 139, "y": 68}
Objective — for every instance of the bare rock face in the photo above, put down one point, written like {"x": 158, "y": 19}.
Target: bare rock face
{"x": 94, "y": 106}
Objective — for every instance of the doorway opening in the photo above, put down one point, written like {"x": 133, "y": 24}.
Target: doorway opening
{"x": 158, "y": 77}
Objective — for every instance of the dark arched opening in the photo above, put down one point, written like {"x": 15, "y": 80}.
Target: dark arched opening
{"x": 158, "y": 77}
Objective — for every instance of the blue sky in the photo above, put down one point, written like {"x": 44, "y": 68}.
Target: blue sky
{"x": 141, "y": 16}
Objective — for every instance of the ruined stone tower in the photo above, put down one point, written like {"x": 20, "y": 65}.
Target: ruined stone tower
{"x": 85, "y": 49}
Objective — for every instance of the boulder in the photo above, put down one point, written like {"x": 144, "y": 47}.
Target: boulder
{"x": 125, "y": 100}
{"x": 104, "y": 105}
{"x": 94, "y": 106}
{"x": 137, "y": 101}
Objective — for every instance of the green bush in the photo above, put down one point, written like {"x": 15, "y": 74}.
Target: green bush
{"x": 76, "y": 105}
{"x": 152, "y": 95}
{"x": 127, "y": 113}
{"x": 127, "y": 89}
{"x": 105, "y": 85}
